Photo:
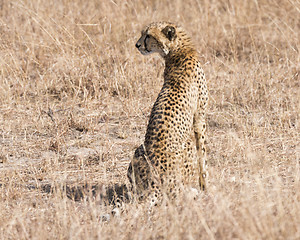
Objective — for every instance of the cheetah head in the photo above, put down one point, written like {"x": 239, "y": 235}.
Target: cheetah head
{"x": 158, "y": 37}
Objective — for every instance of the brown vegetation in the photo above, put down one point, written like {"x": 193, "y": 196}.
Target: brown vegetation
{"x": 75, "y": 96}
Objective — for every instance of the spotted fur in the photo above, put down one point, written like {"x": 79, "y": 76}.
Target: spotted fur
{"x": 174, "y": 150}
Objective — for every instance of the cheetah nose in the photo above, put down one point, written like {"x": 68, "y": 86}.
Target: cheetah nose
{"x": 137, "y": 45}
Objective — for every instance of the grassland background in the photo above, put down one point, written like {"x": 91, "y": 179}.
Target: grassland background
{"x": 75, "y": 96}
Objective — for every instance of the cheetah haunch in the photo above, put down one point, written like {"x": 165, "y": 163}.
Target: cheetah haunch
{"x": 174, "y": 150}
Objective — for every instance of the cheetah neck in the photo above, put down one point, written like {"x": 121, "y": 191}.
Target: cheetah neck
{"x": 176, "y": 58}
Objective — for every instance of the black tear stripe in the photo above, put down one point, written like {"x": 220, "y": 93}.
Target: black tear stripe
{"x": 147, "y": 36}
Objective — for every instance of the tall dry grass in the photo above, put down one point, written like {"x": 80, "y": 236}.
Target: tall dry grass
{"x": 75, "y": 96}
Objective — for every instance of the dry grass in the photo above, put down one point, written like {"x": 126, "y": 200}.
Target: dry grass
{"x": 75, "y": 96}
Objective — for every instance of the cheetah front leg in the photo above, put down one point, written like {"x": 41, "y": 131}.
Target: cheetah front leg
{"x": 199, "y": 130}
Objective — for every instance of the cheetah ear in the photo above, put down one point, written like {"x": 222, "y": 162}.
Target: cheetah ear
{"x": 169, "y": 32}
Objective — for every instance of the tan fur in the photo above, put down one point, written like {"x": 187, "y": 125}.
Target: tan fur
{"x": 174, "y": 150}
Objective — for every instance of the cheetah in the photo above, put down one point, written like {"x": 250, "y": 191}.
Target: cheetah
{"x": 174, "y": 149}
